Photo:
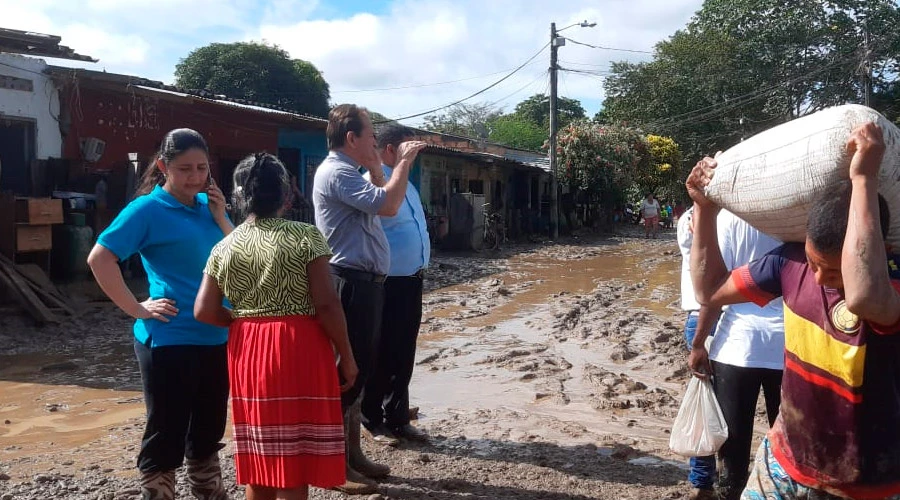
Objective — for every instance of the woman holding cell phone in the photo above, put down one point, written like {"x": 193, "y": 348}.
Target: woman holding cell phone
{"x": 173, "y": 223}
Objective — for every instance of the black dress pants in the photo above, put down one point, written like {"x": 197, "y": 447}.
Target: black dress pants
{"x": 386, "y": 398}
{"x": 186, "y": 394}
{"x": 363, "y": 300}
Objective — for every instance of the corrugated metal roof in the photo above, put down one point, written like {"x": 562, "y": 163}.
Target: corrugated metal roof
{"x": 483, "y": 156}
{"x": 38, "y": 45}
{"x": 159, "y": 87}
{"x": 229, "y": 102}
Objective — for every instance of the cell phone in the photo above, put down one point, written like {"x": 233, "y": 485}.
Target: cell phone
{"x": 209, "y": 180}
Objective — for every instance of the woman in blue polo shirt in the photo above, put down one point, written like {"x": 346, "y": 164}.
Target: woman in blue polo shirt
{"x": 173, "y": 224}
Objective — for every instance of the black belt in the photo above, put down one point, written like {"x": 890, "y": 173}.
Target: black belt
{"x": 357, "y": 275}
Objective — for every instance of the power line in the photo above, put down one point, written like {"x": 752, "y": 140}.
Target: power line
{"x": 722, "y": 108}
{"x": 489, "y": 87}
{"x": 22, "y": 69}
{"x": 599, "y": 78}
{"x": 529, "y": 84}
{"x": 421, "y": 85}
{"x": 576, "y": 42}
{"x": 584, "y": 64}
{"x": 587, "y": 72}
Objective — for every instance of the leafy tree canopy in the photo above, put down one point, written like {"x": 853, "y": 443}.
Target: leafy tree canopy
{"x": 255, "y": 72}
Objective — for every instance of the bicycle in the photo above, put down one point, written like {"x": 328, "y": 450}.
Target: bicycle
{"x": 494, "y": 228}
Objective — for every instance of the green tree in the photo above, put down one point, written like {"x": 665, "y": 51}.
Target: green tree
{"x": 741, "y": 66}
{"x": 536, "y": 109}
{"x": 314, "y": 86}
{"x": 379, "y": 119}
{"x": 466, "y": 120}
{"x": 515, "y": 132}
{"x": 255, "y": 72}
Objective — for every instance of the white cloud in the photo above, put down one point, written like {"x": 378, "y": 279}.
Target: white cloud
{"x": 409, "y": 43}
{"x": 425, "y": 41}
{"x": 112, "y": 49}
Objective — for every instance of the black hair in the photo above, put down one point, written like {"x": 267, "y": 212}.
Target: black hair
{"x": 262, "y": 186}
{"x": 174, "y": 144}
{"x": 826, "y": 226}
{"x": 344, "y": 118}
{"x": 393, "y": 134}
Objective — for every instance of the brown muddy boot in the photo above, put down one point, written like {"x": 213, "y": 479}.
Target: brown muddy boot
{"x": 357, "y": 484}
{"x": 158, "y": 485}
{"x": 703, "y": 494}
{"x": 355, "y": 456}
{"x": 205, "y": 478}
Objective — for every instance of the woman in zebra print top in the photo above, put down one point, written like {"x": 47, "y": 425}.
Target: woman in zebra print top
{"x": 285, "y": 326}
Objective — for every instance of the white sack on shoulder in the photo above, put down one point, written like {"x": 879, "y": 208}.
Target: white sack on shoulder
{"x": 699, "y": 429}
{"x": 771, "y": 179}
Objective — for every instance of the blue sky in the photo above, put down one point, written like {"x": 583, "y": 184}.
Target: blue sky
{"x": 361, "y": 46}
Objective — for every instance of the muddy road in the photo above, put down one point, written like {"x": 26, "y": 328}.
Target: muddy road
{"x": 547, "y": 371}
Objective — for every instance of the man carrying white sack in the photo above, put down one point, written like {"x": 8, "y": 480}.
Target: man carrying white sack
{"x": 838, "y": 433}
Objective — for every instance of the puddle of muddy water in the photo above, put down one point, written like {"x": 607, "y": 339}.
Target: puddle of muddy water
{"x": 463, "y": 381}
{"x": 48, "y": 400}
{"x": 37, "y": 416}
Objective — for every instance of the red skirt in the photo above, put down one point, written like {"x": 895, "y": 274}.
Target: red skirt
{"x": 286, "y": 403}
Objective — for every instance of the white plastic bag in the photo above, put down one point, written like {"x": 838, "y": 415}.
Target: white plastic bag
{"x": 700, "y": 427}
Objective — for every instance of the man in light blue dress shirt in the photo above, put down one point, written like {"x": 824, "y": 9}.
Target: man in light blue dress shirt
{"x": 385, "y": 406}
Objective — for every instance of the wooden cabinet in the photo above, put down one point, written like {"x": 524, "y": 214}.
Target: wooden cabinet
{"x": 39, "y": 211}
{"x": 26, "y": 226}
{"x": 33, "y": 238}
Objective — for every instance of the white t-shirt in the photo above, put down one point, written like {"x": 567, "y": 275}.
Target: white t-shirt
{"x": 650, "y": 209}
{"x": 685, "y": 238}
{"x": 747, "y": 335}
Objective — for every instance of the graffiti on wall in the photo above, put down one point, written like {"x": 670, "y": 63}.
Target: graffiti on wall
{"x": 143, "y": 113}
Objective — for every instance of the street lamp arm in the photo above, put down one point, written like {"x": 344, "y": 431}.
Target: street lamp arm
{"x": 583, "y": 24}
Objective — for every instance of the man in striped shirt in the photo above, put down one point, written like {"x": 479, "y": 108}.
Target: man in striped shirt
{"x": 838, "y": 433}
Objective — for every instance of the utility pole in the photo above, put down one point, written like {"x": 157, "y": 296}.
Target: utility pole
{"x": 554, "y": 185}
{"x": 556, "y": 42}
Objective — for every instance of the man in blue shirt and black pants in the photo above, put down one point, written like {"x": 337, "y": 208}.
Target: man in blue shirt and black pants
{"x": 385, "y": 406}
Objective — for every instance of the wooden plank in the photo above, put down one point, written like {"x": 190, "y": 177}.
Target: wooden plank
{"x": 51, "y": 300}
{"x": 39, "y": 282}
{"x": 34, "y": 274}
{"x": 19, "y": 287}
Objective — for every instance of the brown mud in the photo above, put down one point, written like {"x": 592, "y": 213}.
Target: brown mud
{"x": 544, "y": 371}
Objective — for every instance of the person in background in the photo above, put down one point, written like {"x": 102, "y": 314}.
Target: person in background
{"x": 702, "y": 475}
{"x": 347, "y": 208}
{"x": 285, "y": 326}
{"x": 173, "y": 224}
{"x": 837, "y": 434}
{"x": 385, "y": 405}
{"x": 746, "y": 355}
{"x": 650, "y": 212}
{"x": 669, "y": 219}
